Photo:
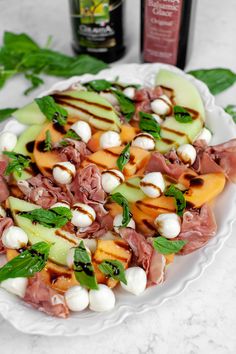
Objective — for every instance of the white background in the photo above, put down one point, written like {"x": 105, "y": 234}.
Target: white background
{"x": 203, "y": 318}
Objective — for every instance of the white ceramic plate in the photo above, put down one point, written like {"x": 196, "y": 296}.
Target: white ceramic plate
{"x": 184, "y": 270}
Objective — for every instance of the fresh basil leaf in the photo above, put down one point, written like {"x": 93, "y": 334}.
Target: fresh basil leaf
{"x": 148, "y": 124}
{"x": 5, "y": 75}
{"x": 72, "y": 135}
{"x": 180, "y": 201}
{"x": 48, "y": 141}
{"x": 165, "y": 246}
{"x": 123, "y": 202}
{"x": 181, "y": 115}
{"x": 17, "y": 164}
{"x": 29, "y": 262}
{"x": 231, "y": 110}
{"x": 99, "y": 85}
{"x": 51, "y": 218}
{"x": 52, "y": 111}
{"x": 19, "y": 43}
{"x": 217, "y": 79}
{"x": 83, "y": 268}
{"x": 124, "y": 157}
{"x": 36, "y": 81}
{"x": 127, "y": 106}
{"x": 6, "y": 113}
{"x": 113, "y": 269}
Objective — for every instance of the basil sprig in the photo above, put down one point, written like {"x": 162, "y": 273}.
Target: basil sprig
{"x": 6, "y": 113}
{"x": 165, "y": 246}
{"x": 124, "y": 157}
{"x": 148, "y": 124}
{"x": 127, "y": 106}
{"x": 54, "y": 217}
{"x": 83, "y": 268}
{"x": 231, "y": 109}
{"x": 180, "y": 201}
{"x": 99, "y": 85}
{"x": 123, "y": 202}
{"x": 48, "y": 141}
{"x": 72, "y": 135}
{"x": 181, "y": 115}
{"x": 29, "y": 262}
{"x": 52, "y": 111}
{"x": 17, "y": 164}
{"x": 113, "y": 269}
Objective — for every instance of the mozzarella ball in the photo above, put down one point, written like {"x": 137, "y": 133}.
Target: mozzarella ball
{"x": 8, "y": 141}
{"x": 109, "y": 139}
{"x": 153, "y": 184}
{"x": 102, "y": 299}
{"x": 136, "y": 280}
{"x": 83, "y": 130}
{"x": 205, "y": 135}
{"x": 16, "y": 286}
{"x": 60, "y": 204}
{"x": 111, "y": 179}
{"x": 168, "y": 225}
{"x": 187, "y": 153}
{"x": 90, "y": 244}
{"x": 117, "y": 223}
{"x": 161, "y": 105}
{"x": 110, "y": 98}
{"x": 77, "y": 298}
{"x": 71, "y": 254}
{"x": 129, "y": 92}
{"x": 14, "y": 237}
{"x": 2, "y": 212}
{"x": 157, "y": 118}
{"x": 144, "y": 141}
{"x": 82, "y": 215}
{"x": 64, "y": 172}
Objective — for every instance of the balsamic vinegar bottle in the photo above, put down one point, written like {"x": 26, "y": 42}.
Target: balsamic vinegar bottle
{"x": 165, "y": 26}
{"x": 98, "y": 28}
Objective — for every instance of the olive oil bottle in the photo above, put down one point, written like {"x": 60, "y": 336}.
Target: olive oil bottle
{"x": 98, "y": 28}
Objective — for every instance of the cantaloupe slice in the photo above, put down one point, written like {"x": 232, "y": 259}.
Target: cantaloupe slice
{"x": 204, "y": 188}
{"x": 155, "y": 206}
{"x": 144, "y": 222}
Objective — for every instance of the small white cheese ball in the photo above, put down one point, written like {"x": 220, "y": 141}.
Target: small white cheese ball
{"x": 129, "y": 92}
{"x": 161, "y": 105}
{"x": 168, "y": 225}
{"x": 187, "y": 153}
{"x": 64, "y": 172}
{"x": 110, "y": 98}
{"x": 102, "y": 299}
{"x": 16, "y": 286}
{"x": 83, "y": 130}
{"x": 157, "y": 118}
{"x": 2, "y": 212}
{"x": 77, "y": 298}
{"x": 71, "y": 254}
{"x": 111, "y": 179}
{"x": 144, "y": 141}
{"x": 117, "y": 222}
{"x": 14, "y": 237}
{"x": 8, "y": 141}
{"x": 82, "y": 215}
{"x": 205, "y": 135}
{"x": 153, "y": 184}
{"x": 136, "y": 280}
{"x": 60, "y": 204}
{"x": 109, "y": 139}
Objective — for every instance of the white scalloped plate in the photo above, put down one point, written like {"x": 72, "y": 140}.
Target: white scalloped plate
{"x": 184, "y": 270}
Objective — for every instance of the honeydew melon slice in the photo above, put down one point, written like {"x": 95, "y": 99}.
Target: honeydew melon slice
{"x": 30, "y": 114}
{"x": 130, "y": 189}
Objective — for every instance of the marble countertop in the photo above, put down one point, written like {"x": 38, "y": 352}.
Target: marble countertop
{"x": 203, "y": 318}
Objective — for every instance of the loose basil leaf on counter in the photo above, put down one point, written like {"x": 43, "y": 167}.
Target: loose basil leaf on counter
{"x": 148, "y": 124}
{"x": 17, "y": 164}
{"x": 114, "y": 269}
{"x": 217, "y": 79}
{"x": 48, "y": 141}
{"x": 181, "y": 115}
{"x": 180, "y": 201}
{"x": 83, "y": 268}
{"x": 165, "y": 246}
{"x": 29, "y": 262}
{"x": 52, "y": 111}
{"x": 123, "y": 202}
{"x": 54, "y": 217}
{"x": 124, "y": 157}
{"x": 231, "y": 109}
{"x": 127, "y": 107}
{"x": 35, "y": 80}
{"x": 6, "y": 113}
{"x": 99, "y": 85}
{"x": 72, "y": 135}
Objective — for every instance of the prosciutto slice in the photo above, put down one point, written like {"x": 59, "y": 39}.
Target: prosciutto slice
{"x": 5, "y": 222}
{"x": 75, "y": 152}
{"x": 45, "y": 299}
{"x": 198, "y": 227}
{"x": 143, "y": 100}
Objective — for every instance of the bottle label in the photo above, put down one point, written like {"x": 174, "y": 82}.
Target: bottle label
{"x": 161, "y": 30}
{"x": 94, "y": 12}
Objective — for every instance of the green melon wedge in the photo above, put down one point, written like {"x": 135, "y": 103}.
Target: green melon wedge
{"x": 130, "y": 189}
